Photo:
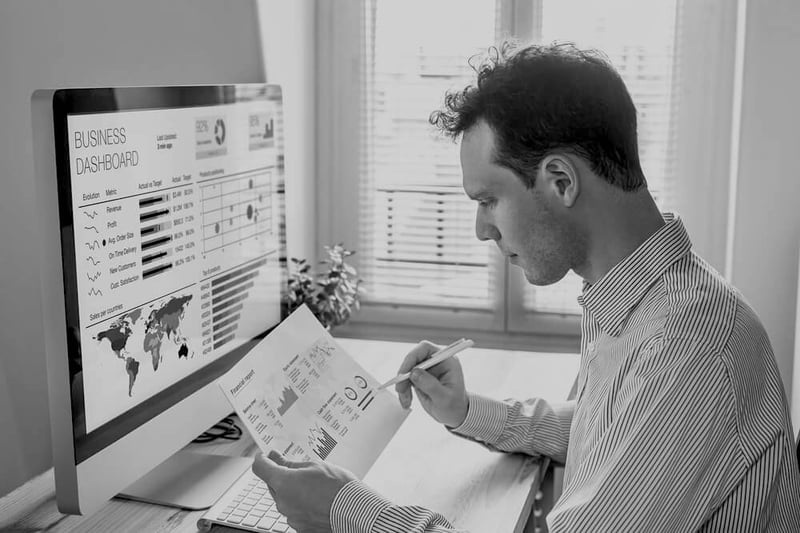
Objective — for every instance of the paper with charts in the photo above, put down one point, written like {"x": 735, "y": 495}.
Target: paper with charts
{"x": 298, "y": 392}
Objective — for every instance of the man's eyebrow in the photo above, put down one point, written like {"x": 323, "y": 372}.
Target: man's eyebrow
{"x": 480, "y": 193}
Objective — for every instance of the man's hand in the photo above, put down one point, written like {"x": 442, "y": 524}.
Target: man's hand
{"x": 440, "y": 389}
{"x": 303, "y": 491}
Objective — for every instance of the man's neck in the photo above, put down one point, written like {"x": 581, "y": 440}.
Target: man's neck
{"x": 618, "y": 228}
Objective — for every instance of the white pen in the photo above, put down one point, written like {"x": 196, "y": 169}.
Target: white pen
{"x": 435, "y": 359}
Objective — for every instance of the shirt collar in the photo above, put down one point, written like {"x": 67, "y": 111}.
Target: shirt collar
{"x": 612, "y": 299}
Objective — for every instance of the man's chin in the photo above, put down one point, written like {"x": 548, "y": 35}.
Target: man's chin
{"x": 535, "y": 281}
{"x": 541, "y": 280}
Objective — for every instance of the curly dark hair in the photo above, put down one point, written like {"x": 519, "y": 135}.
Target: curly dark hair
{"x": 540, "y": 98}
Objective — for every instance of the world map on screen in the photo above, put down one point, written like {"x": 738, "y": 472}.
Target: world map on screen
{"x": 160, "y": 331}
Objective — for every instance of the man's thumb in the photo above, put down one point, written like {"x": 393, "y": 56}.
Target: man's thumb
{"x": 427, "y": 384}
{"x": 277, "y": 458}
{"x": 268, "y": 467}
{"x": 280, "y": 460}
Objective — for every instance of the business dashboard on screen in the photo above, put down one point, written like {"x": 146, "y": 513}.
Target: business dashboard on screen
{"x": 175, "y": 247}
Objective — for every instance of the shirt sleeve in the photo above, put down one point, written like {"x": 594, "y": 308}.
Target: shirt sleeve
{"x": 359, "y": 509}
{"x": 662, "y": 455}
{"x": 534, "y": 427}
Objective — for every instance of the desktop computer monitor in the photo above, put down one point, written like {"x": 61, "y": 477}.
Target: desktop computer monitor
{"x": 161, "y": 221}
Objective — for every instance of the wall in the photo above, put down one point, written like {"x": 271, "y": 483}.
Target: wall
{"x": 288, "y": 33}
{"x": 47, "y": 44}
{"x": 763, "y": 250}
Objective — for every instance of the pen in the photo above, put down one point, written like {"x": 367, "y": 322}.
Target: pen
{"x": 435, "y": 359}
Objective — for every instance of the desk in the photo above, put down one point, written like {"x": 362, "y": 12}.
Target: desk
{"x": 424, "y": 464}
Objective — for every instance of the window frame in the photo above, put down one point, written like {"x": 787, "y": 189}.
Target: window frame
{"x": 339, "y": 33}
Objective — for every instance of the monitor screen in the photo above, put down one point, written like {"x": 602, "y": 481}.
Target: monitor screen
{"x": 170, "y": 206}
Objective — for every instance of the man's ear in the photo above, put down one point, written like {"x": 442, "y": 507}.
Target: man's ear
{"x": 560, "y": 178}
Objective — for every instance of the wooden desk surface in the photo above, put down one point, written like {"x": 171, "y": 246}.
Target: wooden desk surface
{"x": 424, "y": 464}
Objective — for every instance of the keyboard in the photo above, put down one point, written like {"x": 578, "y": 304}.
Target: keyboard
{"x": 246, "y": 505}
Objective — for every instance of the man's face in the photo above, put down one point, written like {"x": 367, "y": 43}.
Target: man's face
{"x": 528, "y": 225}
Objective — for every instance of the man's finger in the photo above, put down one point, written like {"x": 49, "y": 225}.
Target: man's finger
{"x": 419, "y": 353}
{"x": 427, "y": 384}
{"x": 404, "y": 393}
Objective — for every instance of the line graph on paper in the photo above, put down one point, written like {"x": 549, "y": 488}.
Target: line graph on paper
{"x": 279, "y": 393}
{"x": 236, "y": 209}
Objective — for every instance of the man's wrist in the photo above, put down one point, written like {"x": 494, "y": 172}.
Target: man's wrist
{"x": 462, "y": 416}
{"x": 485, "y": 419}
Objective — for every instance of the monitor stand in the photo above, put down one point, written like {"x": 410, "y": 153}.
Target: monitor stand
{"x": 189, "y": 480}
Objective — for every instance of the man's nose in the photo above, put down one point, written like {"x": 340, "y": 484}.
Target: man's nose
{"x": 486, "y": 231}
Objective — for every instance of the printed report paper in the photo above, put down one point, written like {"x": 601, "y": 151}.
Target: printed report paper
{"x": 298, "y": 392}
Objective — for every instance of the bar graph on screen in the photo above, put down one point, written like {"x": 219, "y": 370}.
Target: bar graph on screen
{"x": 228, "y": 295}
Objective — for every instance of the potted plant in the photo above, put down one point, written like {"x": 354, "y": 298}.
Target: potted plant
{"x": 331, "y": 294}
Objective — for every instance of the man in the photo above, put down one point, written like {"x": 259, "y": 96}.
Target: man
{"x": 680, "y": 421}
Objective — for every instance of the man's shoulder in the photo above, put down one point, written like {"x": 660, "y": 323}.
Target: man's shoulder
{"x": 708, "y": 317}
{"x": 701, "y": 304}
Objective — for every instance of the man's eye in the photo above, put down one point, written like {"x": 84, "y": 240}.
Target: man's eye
{"x": 489, "y": 202}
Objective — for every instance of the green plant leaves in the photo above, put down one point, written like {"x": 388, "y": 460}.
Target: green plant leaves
{"x": 333, "y": 294}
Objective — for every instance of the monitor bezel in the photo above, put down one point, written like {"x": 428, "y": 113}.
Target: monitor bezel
{"x": 81, "y": 101}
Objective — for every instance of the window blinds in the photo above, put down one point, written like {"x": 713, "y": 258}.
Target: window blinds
{"x": 417, "y": 242}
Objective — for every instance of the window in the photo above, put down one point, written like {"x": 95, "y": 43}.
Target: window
{"x": 417, "y": 242}
{"x": 412, "y": 225}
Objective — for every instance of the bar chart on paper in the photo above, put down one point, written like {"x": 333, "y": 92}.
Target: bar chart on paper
{"x": 321, "y": 442}
{"x": 236, "y": 208}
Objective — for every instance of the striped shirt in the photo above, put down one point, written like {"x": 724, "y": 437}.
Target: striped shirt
{"x": 680, "y": 421}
